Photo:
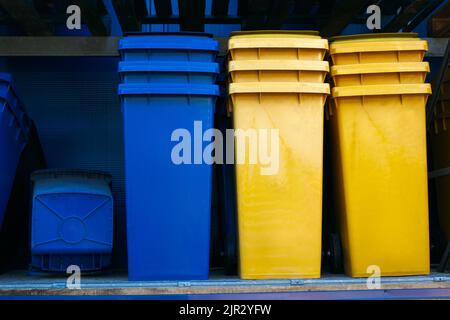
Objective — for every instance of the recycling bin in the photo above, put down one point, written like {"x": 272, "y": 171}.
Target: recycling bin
{"x": 279, "y": 202}
{"x": 380, "y": 178}
{"x": 72, "y": 220}
{"x": 168, "y": 179}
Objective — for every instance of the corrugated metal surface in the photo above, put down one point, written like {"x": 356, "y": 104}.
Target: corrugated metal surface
{"x": 75, "y": 106}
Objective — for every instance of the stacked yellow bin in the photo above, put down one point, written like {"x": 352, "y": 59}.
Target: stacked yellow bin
{"x": 277, "y": 96}
{"x": 441, "y": 153}
{"x": 379, "y": 148}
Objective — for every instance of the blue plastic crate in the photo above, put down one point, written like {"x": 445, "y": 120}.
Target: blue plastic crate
{"x": 168, "y": 205}
{"x": 72, "y": 220}
{"x": 182, "y": 46}
{"x": 168, "y": 72}
{"x": 13, "y": 138}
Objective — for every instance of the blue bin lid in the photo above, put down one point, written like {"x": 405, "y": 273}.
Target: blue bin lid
{"x": 181, "y": 33}
{"x": 71, "y": 181}
{"x": 199, "y": 67}
{"x": 165, "y": 89}
{"x": 169, "y": 41}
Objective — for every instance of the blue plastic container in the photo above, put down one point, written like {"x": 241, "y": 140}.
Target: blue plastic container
{"x": 72, "y": 220}
{"x": 13, "y": 138}
{"x": 168, "y": 72}
{"x": 182, "y": 46}
{"x": 168, "y": 204}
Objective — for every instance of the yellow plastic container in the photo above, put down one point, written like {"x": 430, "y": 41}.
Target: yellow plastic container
{"x": 377, "y": 48}
{"x": 277, "y": 45}
{"x": 280, "y": 212}
{"x": 278, "y": 71}
{"x": 379, "y": 73}
{"x": 380, "y": 167}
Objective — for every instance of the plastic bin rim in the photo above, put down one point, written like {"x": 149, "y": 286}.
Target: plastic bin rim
{"x": 348, "y": 69}
{"x": 274, "y": 42}
{"x": 278, "y": 87}
{"x": 374, "y": 36}
{"x": 56, "y": 173}
{"x": 381, "y": 90}
{"x": 308, "y": 33}
{"x": 197, "y": 44}
{"x": 166, "y": 89}
{"x": 141, "y": 66}
{"x": 249, "y": 65}
{"x": 182, "y": 33}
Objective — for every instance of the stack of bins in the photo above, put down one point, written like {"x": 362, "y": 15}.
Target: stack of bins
{"x": 168, "y": 96}
{"x": 14, "y": 135}
{"x": 379, "y": 152}
{"x": 440, "y": 140}
{"x": 277, "y": 94}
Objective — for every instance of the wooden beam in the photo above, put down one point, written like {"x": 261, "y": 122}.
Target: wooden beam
{"x": 279, "y": 11}
{"x": 408, "y": 13}
{"x": 342, "y": 15}
{"x": 107, "y": 46}
{"x": 192, "y": 15}
{"x": 220, "y": 8}
{"x": 26, "y": 17}
{"x": 59, "y": 46}
{"x": 163, "y": 8}
{"x": 126, "y": 13}
{"x": 90, "y": 15}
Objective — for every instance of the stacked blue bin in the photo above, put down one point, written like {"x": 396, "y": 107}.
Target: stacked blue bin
{"x": 14, "y": 135}
{"x": 72, "y": 220}
{"x": 168, "y": 96}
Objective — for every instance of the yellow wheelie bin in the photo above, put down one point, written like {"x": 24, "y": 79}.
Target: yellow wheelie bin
{"x": 379, "y": 73}
{"x": 377, "y": 48}
{"x": 277, "y": 45}
{"x": 279, "y": 202}
{"x": 380, "y": 168}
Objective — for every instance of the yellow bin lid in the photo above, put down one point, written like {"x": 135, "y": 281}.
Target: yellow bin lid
{"x": 277, "y": 39}
{"x": 377, "y": 42}
{"x": 278, "y": 87}
{"x": 339, "y": 70}
{"x": 288, "y": 65}
{"x": 376, "y": 37}
{"x": 381, "y": 90}
{"x": 276, "y": 33}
